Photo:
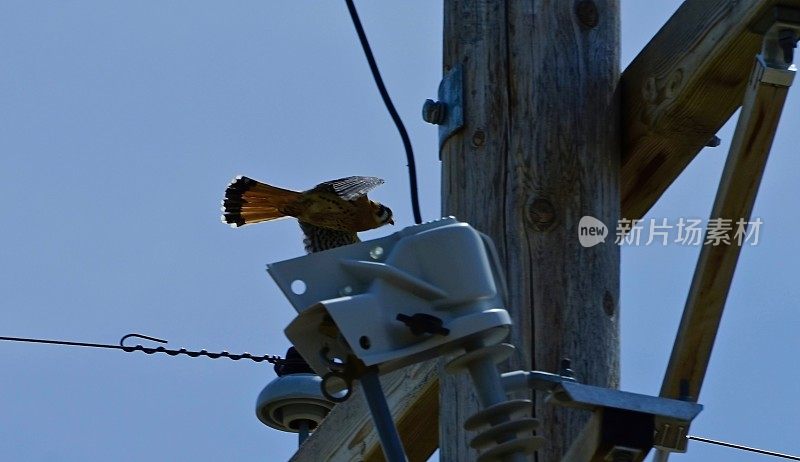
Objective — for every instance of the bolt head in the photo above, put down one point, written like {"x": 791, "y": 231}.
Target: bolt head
{"x": 433, "y": 112}
{"x": 714, "y": 142}
{"x": 376, "y": 252}
{"x": 566, "y": 368}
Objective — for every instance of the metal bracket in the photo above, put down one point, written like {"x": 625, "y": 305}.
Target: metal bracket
{"x": 669, "y": 418}
{"x": 566, "y": 391}
{"x": 448, "y": 111}
{"x": 770, "y": 75}
{"x": 780, "y": 27}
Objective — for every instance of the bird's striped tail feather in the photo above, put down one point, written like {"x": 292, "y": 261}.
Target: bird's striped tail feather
{"x": 249, "y": 201}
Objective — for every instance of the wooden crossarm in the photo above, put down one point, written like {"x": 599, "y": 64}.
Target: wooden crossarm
{"x": 680, "y": 90}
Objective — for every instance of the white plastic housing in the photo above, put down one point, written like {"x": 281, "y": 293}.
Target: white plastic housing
{"x": 348, "y": 298}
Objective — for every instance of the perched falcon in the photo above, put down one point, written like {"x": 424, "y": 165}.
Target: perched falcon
{"x": 330, "y": 214}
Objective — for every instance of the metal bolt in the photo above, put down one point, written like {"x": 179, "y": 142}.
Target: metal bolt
{"x": 376, "y": 252}
{"x": 434, "y": 112}
{"x": 714, "y": 142}
{"x": 566, "y": 370}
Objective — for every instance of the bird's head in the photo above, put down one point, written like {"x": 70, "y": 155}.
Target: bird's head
{"x": 383, "y": 214}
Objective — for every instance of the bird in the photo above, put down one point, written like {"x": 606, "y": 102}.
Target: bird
{"x": 330, "y": 214}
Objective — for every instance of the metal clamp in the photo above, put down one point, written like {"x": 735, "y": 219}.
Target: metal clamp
{"x": 780, "y": 27}
{"x": 448, "y": 111}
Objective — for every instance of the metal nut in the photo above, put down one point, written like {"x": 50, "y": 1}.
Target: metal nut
{"x": 433, "y": 112}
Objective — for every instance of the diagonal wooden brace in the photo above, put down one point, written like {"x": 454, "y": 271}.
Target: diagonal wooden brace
{"x": 762, "y": 106}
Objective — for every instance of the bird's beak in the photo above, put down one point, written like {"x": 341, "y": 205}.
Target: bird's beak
{"x": 391, "y": 222}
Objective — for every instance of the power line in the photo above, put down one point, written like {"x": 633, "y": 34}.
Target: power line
{"x": 148, "y": 350}
{"x": 376, "y": 74}
{"x": 742, "y": 448}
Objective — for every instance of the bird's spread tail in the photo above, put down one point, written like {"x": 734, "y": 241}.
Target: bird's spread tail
{"x": 249, "y": 201}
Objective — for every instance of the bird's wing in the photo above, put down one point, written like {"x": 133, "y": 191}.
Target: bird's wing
{"x": 350, "y": 188}
{"x": 318, "y": 239}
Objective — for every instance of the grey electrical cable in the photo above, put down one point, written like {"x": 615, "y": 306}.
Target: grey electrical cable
{"x": 742, "y": 448}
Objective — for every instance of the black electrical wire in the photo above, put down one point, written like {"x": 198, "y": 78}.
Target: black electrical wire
{"x": 376, "y": 74}
{"x": 742, "y": 448}
{"x": 148, "y": 350}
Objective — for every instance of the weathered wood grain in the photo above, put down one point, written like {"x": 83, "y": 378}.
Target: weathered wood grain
{"x": 680, "y": 90}
{"x": 347, "y": 434}
{"x": 531, "y": 160}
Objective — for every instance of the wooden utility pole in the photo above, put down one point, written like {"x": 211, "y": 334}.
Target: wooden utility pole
{"x": 539, "y": 150}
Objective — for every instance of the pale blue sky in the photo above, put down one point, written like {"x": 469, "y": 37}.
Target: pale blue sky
{"x": 121, "y": 124}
